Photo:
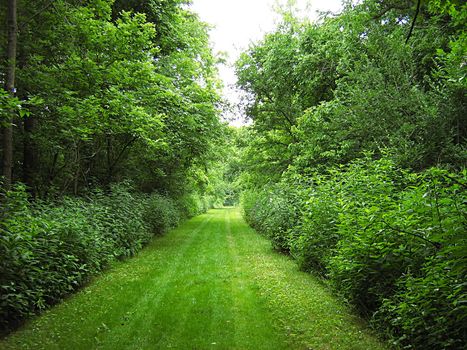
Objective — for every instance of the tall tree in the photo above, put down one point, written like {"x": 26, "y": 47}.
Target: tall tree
{"x": 10, "y": 87}
{"x": 125, "y": 94}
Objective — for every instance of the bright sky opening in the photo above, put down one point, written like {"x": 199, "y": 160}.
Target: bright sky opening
{"x": 237, "y": 23}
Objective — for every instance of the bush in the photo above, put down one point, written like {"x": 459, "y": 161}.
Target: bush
{"x": 428, "y": 307}
{"x": 429, "y": 311}
{"x": 49, "y": 250}
{"x": 315, "y": 235}
{"x": 250, "y": 202}
{"x": 369, "y": 256}
{"x": 161, "y": 213}
{"x": 192, "y": 204}
{"x": 273, "y": 212}
{"x": 391, "y": 242}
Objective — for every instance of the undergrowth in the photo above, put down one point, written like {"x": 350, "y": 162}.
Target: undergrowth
{"x": 392, "y": 242}
{"x": 49, "y": 250}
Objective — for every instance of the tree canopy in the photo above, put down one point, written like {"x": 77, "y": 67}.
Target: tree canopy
{"x": 113, "y": 90}
{"x": 355, "y": 160}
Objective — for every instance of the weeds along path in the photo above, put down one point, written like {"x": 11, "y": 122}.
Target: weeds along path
{"x": 213, "y": 283}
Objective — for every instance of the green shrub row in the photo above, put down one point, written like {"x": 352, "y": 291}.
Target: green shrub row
{"x": 47, "y": 251}
{"x": 392, "y": 242}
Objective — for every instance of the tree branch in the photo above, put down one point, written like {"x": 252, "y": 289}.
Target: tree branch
{"x": 413, "y": 22}
{"x": 25, "y": 24}
{"x": 437, "y": 245}
{"x": 122, "y": 151}
{"x": 456, "y": 181}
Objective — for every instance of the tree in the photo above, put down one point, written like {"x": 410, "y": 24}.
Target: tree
{"x": 7, "y": 164}
{"x": 129, "y": 91}
{"x": 327, "y": 93}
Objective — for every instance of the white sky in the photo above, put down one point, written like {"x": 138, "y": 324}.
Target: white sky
{"x": 237, "y": 23}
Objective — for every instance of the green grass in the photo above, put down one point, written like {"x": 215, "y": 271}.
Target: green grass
{"x": 213, "y": 283}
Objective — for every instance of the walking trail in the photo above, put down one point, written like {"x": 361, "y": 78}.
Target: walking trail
{"x": 212, "y": 283}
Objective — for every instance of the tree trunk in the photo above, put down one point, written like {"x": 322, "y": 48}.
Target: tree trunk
{"x": 30, "y": 161}
{"x": 10, "y": 87}
{"x": 109, "y": 161}
{"x": 417, "y": 10}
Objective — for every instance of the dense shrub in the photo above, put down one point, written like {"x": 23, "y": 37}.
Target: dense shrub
{"x": 192, "y": 204}
{"x": 391, "y": 242}
{"x": 161, "y": 213}
{"x": 316, "y": 234}
{"x": 47, "y": 251}
{"x": 369, "y": 257}
{"x": 273, "y": 213}
{"x": 428, "y": 312}
{"x": 428, "y": 309}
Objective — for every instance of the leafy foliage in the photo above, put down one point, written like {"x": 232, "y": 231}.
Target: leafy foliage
{"x": 258, "y": 208}
{"x": 108, "y": 93}
{"x": 327, "y": 93}
{"x": 378, "y": 234}
{"x": 129, "y": 90}
{"x": 355, "y": 159}
{"x": 49, "y": 250}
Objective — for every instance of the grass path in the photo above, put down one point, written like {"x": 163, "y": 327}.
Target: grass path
{"x": 213, "y": 283}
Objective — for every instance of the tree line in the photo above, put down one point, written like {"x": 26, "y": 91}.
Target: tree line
{"x": 106, "y": 91}
{"x": 355, "y": 160}
{"x": 111, "y": 134}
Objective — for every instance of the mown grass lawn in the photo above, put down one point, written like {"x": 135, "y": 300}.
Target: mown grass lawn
{"x": 213, "y": 283}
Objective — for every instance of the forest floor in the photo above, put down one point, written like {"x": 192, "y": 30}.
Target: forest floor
{"x": 212, "y": 283}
